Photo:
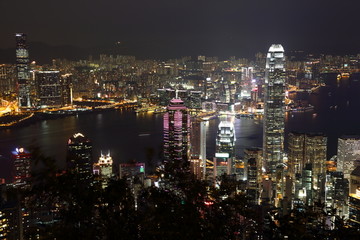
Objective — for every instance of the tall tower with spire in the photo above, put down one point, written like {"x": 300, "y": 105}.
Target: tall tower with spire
{"x": 274, "y": 109}
{"x": 176, "y": 132}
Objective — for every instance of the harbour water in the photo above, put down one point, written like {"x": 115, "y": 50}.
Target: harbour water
{"x": 130, "y": 136}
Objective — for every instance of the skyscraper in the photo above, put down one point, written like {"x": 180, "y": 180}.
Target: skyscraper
{"x": 22, "y": 163}
{"x": 79, "y": 159}
{"x": 176, "y": 132}
{"x": 225, "y": 148}
{"x": 198, "y": 147}
{"x": 49, "y": 88}
{"x": 274, "y": 108}
{"x": 23, "y": 70}
{"x": 307, "y": 148}
{"x": 354, "y": 198}
{"x": 348, "y": 154}
{"x": 103, "y": 168}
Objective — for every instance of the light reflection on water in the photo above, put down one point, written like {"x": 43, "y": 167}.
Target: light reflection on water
{"x": 139, "y": 136}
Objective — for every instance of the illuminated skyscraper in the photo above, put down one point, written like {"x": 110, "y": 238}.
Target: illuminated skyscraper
{"x": 103, "y": 168}
{"x": 308, "y": 148}
{"x": 79, "y": 159}
{"x": 354, "y": 198}
{"x": 23, "y": 70}
{"x": 22, "y": 163}
{"x": 176, "y": 132}
{"x": 274, "y": 108}
{"x": 225, "y": 141}
{"x": 198, "y": 147}
{"x": 225, "y": 148}
{"x": 348, "y": 154}
{"x": 49, "y": 89}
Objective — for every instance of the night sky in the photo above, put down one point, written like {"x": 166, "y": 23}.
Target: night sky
{"x": 177, "y": 28}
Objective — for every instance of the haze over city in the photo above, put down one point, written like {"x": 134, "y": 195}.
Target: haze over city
{"x": 169, "y": 29}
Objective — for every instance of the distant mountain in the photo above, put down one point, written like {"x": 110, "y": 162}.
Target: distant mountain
{"x": 43, "y": 53}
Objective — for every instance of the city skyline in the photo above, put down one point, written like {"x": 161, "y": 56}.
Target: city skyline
{"x": 146, "y": 110}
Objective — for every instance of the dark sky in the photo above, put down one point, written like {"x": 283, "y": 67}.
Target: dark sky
{"x": 221, "y": 27}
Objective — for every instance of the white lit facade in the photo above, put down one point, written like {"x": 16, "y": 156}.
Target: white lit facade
{"x": 274, "y": 108}
{"x": 103, "y": 168}
{"x": 348, "y": 154}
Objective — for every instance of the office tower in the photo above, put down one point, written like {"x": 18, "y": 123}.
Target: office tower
{"x": 315, "y": 153}
{"x": 103, "y": 168}
{"x": 225, "y": 148}
{"x": 252, "y": 186}
{"x": 274, "y": 108}
{"x": 255, "y": 153}
{"x": 225, "y": 140}
{"x": 23, "y": 70}
{"x": 79, "y": 158}
{"x": 296, "y": 158}
{"x": 336, "y": 193}
{"x": 348, "y": 153}
{"x": 308, "y": 148}
{"x": 254, "y": 176}
{"x": 22, "y": 164}
{"x": 176, "y": 132}
{"x": 307, "y": 183}
{"x": 7, "y": 80}
{"x": 198, "y": 147}
{"x": 354, "y": 198}
{"x": 49, "y": 88}
{"x": 67, "y": 89}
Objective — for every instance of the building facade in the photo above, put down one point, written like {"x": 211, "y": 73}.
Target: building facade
{"x": 305, "y": 149}
{"x": 79, "y": 158}
{"x": 274, "y": 108}
{"x": 23, "y": 70}
{"x": 104, "y": 168}
{"x": 176, "y": 132}
{"x": 348, "y": 154}
{"x": 49, "y": 88}
{"x": 22, "y": 164}
{"x": 225, "y": 148}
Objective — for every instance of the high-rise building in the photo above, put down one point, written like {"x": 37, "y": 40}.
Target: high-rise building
{"x": 354, "y": 198}
{"x": 198, "y": 148}
{"x": 274, "y": 108}
{"x": 103, "y": 168}
{"x": 22, "y": 164}
{"x": 225, "y": 148}
{"x": 49, "y": 88}
{"x": 308, "y": 148}
{"x": 23, "y": 70}
{"x": 256, "y": 154}
{"x": 336, "y": 193}
{"x": 225, "y": 140}
{"x": 348, "y": 154}
{"x": 7, "y": 80}
{"x": 307, "y": 183}
{"x": 176, "y": 132}
{"x": 79, "y": 159}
